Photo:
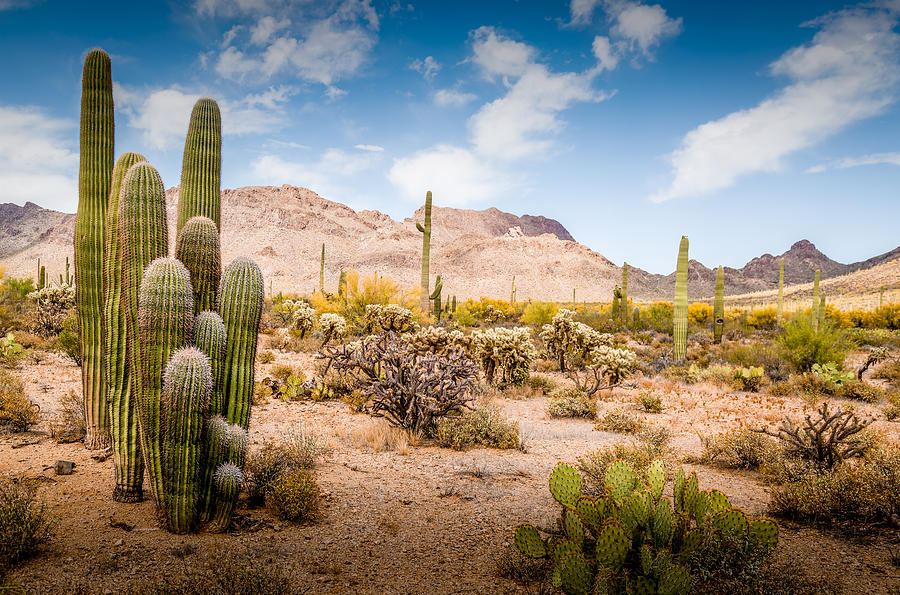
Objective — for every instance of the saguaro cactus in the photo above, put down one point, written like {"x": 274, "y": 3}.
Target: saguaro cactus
{"x": 780, "y": 310}
{"x": 202, "y": 165}
{"x": 436, "y": 297}
{"x": 240, "y": 306}
{"x": 209, "y": 337}
{"x": 719, "y": 306}
{"x": 821, "y": 311}
{"x": 814, "y": 312}
{"x": 197, "y": 247}
{"x": 165, "y": 324}
{"x": 512, "y": 292}
{"x": 624, "y": 302}
{"x": 680, "y": 312}
{"x": 322, "y": 271}
{"x": 228, "y": 481}
{"x": 187, "y": 385}
{"x": 426, "y": 245}
{"x": 94, "y": 179}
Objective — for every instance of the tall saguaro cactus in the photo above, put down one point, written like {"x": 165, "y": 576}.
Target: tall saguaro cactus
{"x": 241, "y": 296}
{"x": 94, "y": 179}
{"x": 202, "y": 165}
{"x": 680, "y": 312}
{"x": 814, "y": 312}
{"x": 624, "y": 303}
{"x": 322, "y": 271}
{"x": 780, "y": 311}
{"x": 197, "y": 247}
{"x": 425, "y": 228}
{"x": 719, "y": 306}
{"x": 209, "y": 337}
{"x": 165, "y": 324}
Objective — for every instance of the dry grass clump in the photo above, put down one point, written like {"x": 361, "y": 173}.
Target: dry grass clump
{"x": 219, "y": 574}
{"x": 738, "y": 448}
{"x": 570, "y": 401}
{"x": 648, "y": 445}
{"x": 68, "y": 424}
{"x": 17, "y": 413}
{"x": 482, "y": 426}
{"x": 298, "y": 450}
{"x": 381, "y": 436}
{"x": 649, "y": 401}
{"x": 890, "y": 371}
{"x": 265, "y": 357}
{"x": 620, "y": 421}
{"x": 25, "y": 524}
{"x": 892, "y": 409}
{"x": 294, "y": 495}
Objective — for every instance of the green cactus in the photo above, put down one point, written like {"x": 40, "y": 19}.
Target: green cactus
{"x": 719, "y": 306}
{"x": 637, "y": 318}
{"x": 565, "y": 484}
{"x": 680, "y": 311}
{"x": 821, "y": 311}
{"x": 228, "y": 482}
{"x": 96, "y": 158}
{"x": 425, "y": 229}
{"x": 814, "y": 313}
{"x": 322, "y": 271}
{"x": 68, "y": 276}
{"x": 165, "y": 324}
{"x": 240, "y": 306}
{"x": 209, "y": 337}
{"x": 453, "y": 305}
{"x": 37, "y": 276}
{"x": 342, "y": 284}
{"x": 197, "y": 247}
{"x": 137, "y": 234}
{"x": 436, "y": 297}
{"x": 780, "y": 308}
{"x": 202, "y": 165}
{"x": 624, "y": 299}
{"x": 187, "y": 384}
{"x": 512, "y": 292}
{"x": 42, "y": 278}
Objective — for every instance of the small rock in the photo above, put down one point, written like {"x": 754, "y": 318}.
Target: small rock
{"x": 63, "y": 467}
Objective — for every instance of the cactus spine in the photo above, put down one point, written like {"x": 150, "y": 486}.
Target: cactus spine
{"x": 94, "y": 180}
{"x": 187, "y": 385}
{"x": 136, "y": 234}
{"x": 719, "y": 306}
{"x": 780, "y": 310}
{"x": 426, "y": 245}
{"x": 680, "y": 310}
{"x": 240, "y": 306}
{"x": 197, "y": 247}
{"x": 436, "y": 297}
{"x": 624, "y": 301}
{"x": 202, "y": 165}
{"x": 814, "y": 312}
{"x": 165, "y": 324}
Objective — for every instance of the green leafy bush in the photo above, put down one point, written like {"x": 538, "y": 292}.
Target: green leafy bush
{"x": 298, "y": 450}
{"x": 804, "y": 346}
{"x": 265, "y": 357}
{"x": 11, "y": 352}
{"x": 67, "y": 341}
{"x": 570, "y": 401}
{"x": 482, "y": 426}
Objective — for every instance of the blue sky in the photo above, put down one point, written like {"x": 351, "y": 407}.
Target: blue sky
{"x": 746, "y": 126}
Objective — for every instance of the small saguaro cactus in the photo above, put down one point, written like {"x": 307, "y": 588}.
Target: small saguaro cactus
{"x": 512, "y": 292}
{"x": 436, "y": 297}
{"x": 719, "y": 306}
{"x": 637, "y": 317}
{"x": 197, "y": 247}
{"x": 453, "y": 305}
{"x": 165, "y": 324}
{"x": 821, "y": 310}
{"x": 322, "y": 271}
{"x": 187, "y": 384}
{"x": 814, "y": 313}
{"x": 780, "y": 308}
{"x": 37, "y": 276}
{"x": 228, "y": 480}
{"x": 624, "y": 300}
{"x": 96, "y": 157}
{"x": 425, "y": 229}
{"x": 680, "y": 311}
{"x": 241, "y": 296}
{"x": 202, "y": 165}
{"x": 42, "y": 281}
{"x": 209, "y": 337}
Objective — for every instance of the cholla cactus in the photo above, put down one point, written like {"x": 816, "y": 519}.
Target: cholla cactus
{"x": 53, "y": 306}
{"x": 632, "y": 539}
{"x": 390, "y": 317}
{"x": 493, "y": 315}
{"x": 436, "y": 339}
{"x": 564, "y": 335}
{"x": 509, "y": 350}
{"x": 333, "y": 326}
{"x": 303, "y": 318}
{"x": 607, "y": 367}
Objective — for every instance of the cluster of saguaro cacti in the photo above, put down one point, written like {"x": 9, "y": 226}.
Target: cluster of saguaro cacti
{"x": 436, "y": 297}
{"x": 178, "y": 385}
{"x": 814, "y": 312}
{"x": 719, "y": 306}
{"x": 680, "y": 312}
{"x": 780, "y": 307}
{"x": 631, "y": 539}
{"x": 425, "y": 228}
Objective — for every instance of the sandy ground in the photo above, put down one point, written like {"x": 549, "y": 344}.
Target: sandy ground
{"x": 429, "y": 521}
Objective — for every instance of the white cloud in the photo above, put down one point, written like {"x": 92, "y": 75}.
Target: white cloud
{"x": 372, "y": 148}
{"x": 847, "y": 162}
{"x": 499, "y": 55}
{"x": 633, "y": 25}
{"x": 428, "y": 67}
{"x": 262, "y": 32}
{"x": 15, "y": 4}
{"x": 848, "y": 72}
{"x": 38, "y": 159}
{"x": 451, "y": 98}
{"x": 456, "y": 176}
{"x": 607, "y": 57}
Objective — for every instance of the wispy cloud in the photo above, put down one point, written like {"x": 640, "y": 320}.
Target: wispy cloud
{"x": 428, "y": 67}
{"x": 452, "y": 98}
{"x": 17, "y": 4}
{"x": 847, "y": 162}
{"x": 849, "y": 72}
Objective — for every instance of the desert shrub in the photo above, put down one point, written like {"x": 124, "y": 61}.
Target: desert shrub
{"x": 298, "y": 450}
{"x": 809, "y": 385}
{"x": 25, "y": 523}
{"x": 861, "y": 391}
{"x": 700, "y": 313}
{"x": 539, "y": 313}
{"x": 482, "y": 426}
{"x": 639, "y": 453}
{"x": 281, "y": 372}
{"x": 68, "y": 424}
{"x": 541, "y": 384}
{"x": 892, "y": 409}
{"x": 866, "y": 490}
{"x": 890, "y": 371}
{"x": 686, "y": 374}
{"x": 760, "y": 354}
{"x": 781, "y": 388}
{"x": 805, "y": 346}
{"x": 333, "y": 326}
{"x": 222, "y": 573}
{"x": 410, "y": 390}
{"x": 570, "y": 401}
{"x": 620, "y": 421}
{"x": 604, "y": 549}
{"x": 649, "y": 401}
{"x": 54, "y": 305}
{"x": 522, "y": 570}
{"x": 11, "y": 352}
{"x": 874, "y": 337}
{"x": 718, "y": 374}
{"x": 359, "y": 293}
{"x": 265, "y": 357}
{"x": 17, "y": 413}
{"x": 749, "y": 379}
{"x": 504, "y": 349}
{"x": 381, "y": 436}
{"x": 738, "y": 448}
{"x": 388, "y": 317}
{"x": 294, "y": 495}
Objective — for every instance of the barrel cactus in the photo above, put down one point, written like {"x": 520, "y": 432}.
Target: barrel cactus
{"x": 680, "y": 312}
{"x": 197, "y": 247}
{"x": 202, "y": 165}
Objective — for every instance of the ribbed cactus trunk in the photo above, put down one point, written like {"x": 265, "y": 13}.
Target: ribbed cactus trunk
{"x": 209, "y": 337}
{"x": 780, "y": 310}
{"x": 512, "y": 292}
{"x": 197, "y": 247}
{"x": 37, "y": 275}
{"x": 680, "y": 311}
{"x": 624, "y": 304}
{"x": 187, "y": 385}
{"x": 136, "y": 234}
{"x": 426, "y": 248}
{"x": 94, "y": 179}
{"x": 453, "y": 305}
{"x": 821, "y": 310}
{"x": 814, "y": 312}
{"x": 436, "y": 297}
{"x": 240, "y": 306}
{"x": 719, "y": 306}
{"x": 202, "y": 165}
{"x": 322, "y": 271}
{"x": 636, "y": 320}
{"x": 165, "y": 324}
{"x": 42, "y": 281}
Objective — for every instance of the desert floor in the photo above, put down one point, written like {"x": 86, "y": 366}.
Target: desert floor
{"x": 421, "y": 520}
